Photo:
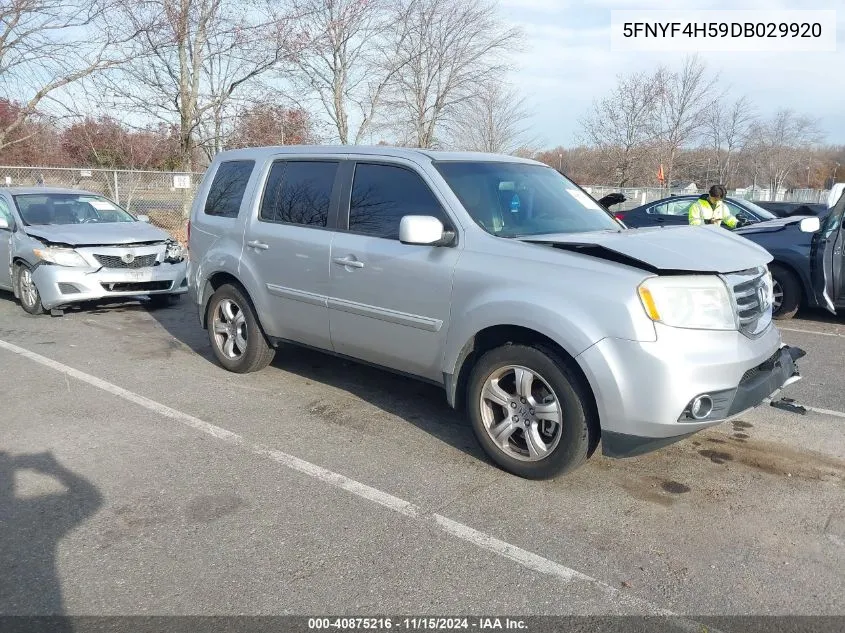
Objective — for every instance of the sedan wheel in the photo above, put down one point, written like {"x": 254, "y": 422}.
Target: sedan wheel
{"x": 777, "y": 294}
{"x": 28, "y": 293}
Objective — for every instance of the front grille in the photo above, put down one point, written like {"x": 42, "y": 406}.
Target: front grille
{"x": 136, "y": 286}
{"x": 752, "y": 299}
{"x": 114, "y": 261}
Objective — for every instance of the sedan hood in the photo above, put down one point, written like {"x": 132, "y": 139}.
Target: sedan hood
{"x": 98, "y": 234}
{"x": 771, "y": 225}
{"x": 708, "y": 249}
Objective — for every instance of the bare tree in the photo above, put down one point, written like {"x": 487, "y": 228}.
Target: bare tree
{"x": 496, "y": 120}
{"x": 46, "y": 45}
{"x": 726, "y": 129}
{"x": 684, "y": 98}
{"x": 453, "y": 48}
{"x": 781, "y": 146}
{"x": 620, "y": 125}
{"x": 351, "y": 58}
{"x": 197, "y": 54}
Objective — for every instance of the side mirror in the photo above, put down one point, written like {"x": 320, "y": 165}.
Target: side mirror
{"x": 144, "y": 218}
{"x": 424, "y": 230}
{"x": 810, "y": 225}
{"x": 4, "y": 224}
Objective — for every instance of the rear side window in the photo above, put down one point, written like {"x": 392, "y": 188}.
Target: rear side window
{"x": 227, "y": 188}
{"x": 383, "y": 194}
{"x": 299, "y": 192}
{"x": 5, "y": 212}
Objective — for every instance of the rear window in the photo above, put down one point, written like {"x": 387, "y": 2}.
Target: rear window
{"x": 227, "y": 188}
{"x": 299, "y": 192}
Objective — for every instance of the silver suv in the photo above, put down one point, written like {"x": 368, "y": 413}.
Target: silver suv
{"x": 497, "y": 278}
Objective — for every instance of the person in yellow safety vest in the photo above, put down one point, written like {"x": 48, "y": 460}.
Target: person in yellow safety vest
{"x": 709, "y": 209}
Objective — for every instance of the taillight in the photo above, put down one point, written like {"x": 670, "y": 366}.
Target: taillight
{"x": 619, "y": 216}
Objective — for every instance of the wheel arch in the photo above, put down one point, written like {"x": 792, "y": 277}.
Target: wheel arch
{"x": 213, "y": 283}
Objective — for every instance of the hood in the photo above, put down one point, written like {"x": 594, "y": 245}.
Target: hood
{"x": 771, "y": 225}
{"x": 98, "y": 234}
{"x": 707, "y": 249}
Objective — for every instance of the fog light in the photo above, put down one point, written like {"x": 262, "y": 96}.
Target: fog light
{"x": 701, "y": 407}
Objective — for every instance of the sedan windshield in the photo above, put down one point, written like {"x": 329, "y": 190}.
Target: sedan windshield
{"x": 68, "y": 208}
{"x": 519, "y": 199}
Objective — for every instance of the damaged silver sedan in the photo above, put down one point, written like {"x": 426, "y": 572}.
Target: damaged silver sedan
{"x": 65, "y": 246}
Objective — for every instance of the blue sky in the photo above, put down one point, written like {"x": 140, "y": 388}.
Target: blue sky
{"x": 569, "y": 62}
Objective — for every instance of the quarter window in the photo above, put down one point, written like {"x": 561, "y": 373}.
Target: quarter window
{"x": 5, "y": 212}
{"x": 299, "y": 192}
{"x": 227, "y": 188}
{"x": 383, "y": 194}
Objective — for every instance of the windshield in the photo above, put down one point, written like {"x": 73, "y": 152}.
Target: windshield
{"x": 517, "y": 199}
{"x": 760, "y": 211}
{"x": 69, "y": 208}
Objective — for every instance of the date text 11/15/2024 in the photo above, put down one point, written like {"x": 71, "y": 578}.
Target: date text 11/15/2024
{"x": 417, "y": 624}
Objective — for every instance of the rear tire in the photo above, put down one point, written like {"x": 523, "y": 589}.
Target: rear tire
{"x": 521, "y": 418}
{"x": 786, "y": 285}
{"x": 235, "y": 335}
{"x": 28, "y": 293}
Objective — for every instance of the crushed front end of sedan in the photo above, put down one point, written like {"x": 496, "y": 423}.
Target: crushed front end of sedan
{"x": 70, "y": 246}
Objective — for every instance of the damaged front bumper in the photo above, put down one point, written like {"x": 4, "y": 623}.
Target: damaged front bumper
{"x": 63, "y": 285}
{"x": 758, "y": 384}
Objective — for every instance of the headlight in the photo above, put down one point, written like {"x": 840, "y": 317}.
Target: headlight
{"x": 60, "y": 256}
{"x": 698, "y": 302}
{"x": 175, "y": 252}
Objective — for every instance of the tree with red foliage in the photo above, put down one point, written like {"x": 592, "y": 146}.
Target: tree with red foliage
{"x": 270, "y": 124}
{"x": 105, "y": 142}
{"x": 33, "y": 142}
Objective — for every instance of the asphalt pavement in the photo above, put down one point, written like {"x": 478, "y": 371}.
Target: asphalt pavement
{"x": 138, "y": 477}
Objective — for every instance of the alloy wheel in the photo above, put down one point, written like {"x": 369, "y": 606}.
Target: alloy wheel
{"x": 230, "y": 329}
{"x": 521, "y": 413}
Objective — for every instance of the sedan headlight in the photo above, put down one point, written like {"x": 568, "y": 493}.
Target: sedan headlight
{"x": 175, "y": 252}
{"x": 60, "y": 256}
{"x": 700, "y": 302}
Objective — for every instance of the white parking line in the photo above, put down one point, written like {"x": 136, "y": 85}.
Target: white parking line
{"x": 526, "y": 559}
{"x": 795, "y": 329}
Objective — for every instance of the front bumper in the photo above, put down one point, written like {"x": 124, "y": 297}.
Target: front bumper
{"x": 644, "y": 390}
{"x": 62, "y": 285}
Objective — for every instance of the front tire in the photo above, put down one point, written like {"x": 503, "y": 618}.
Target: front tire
{"x": 787, "y": 293}
{"x": 236, "y": 337}
{"x": 530, "y": 412}
{"x": 28, "y": 293}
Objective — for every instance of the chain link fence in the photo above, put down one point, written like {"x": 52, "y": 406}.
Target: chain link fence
{"x": 636, "y": 196}
{"x": 164, "y": 197}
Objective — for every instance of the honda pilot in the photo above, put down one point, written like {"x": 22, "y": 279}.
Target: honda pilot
{"x": 553, "y": 326}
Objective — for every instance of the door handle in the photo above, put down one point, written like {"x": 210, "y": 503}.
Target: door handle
{"x": 346, "y": 261}
{"x": 259, "y": 245}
